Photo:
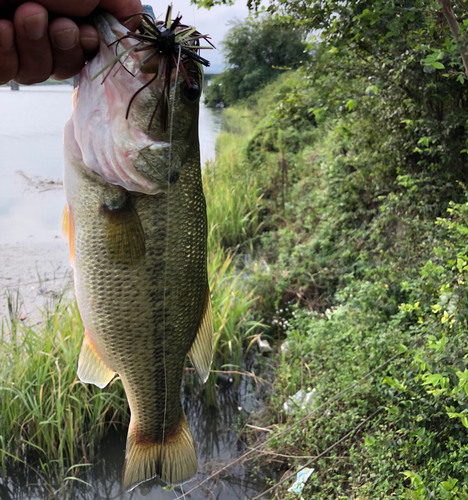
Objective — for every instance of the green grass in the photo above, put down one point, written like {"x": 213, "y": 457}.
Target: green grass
{"x": 357, "y": 259}
{"x": 233, "y": 204}
{"x": 46, "y": 411}
{"x": 233, "y": 208}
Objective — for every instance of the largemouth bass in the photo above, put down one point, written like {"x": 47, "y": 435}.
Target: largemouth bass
{"x": 137, "y": 230}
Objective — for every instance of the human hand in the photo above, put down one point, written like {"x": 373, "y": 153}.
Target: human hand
{"x": 37, "y": 42}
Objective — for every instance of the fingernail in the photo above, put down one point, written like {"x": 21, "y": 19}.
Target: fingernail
{"x": 7, "y": 38}
{"x": 65, "y": 39}
{"x": 35, "y": 26}
{"x": 89, "y": 43}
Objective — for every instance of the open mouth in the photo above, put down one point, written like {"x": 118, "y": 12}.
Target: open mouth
{"x": 108, "y": 141}
{"x": 120, "y": 122}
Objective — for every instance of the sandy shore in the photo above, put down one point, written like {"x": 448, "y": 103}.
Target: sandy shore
{"x": 40, "y": 272}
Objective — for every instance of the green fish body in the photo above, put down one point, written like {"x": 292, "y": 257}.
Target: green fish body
{"x": 137, "y": 230}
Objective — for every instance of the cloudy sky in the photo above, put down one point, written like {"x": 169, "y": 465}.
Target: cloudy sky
{"x": 213, "y": 22}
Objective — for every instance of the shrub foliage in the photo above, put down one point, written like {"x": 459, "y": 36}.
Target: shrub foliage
{"x": 361, "y": 158}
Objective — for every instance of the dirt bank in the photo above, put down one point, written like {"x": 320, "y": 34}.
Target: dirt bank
{"x": 40, "y": 272}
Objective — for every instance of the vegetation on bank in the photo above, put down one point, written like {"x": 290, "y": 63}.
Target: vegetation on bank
{"x": 361, "y": 255}
{"x": 50, "y": 421}
{"x": 256, "y": 51}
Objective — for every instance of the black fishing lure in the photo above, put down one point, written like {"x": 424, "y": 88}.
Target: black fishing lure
{"x": 170, "y": 44}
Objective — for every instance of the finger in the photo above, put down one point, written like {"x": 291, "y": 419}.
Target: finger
{"x": 32, "y": 41}
{"x": 64, "y": 8}
{"x": 66, "y": 50}
{"x": 89, "y": 40}
{"x": 8, "y": 55}
{"x": 123, "y": 9}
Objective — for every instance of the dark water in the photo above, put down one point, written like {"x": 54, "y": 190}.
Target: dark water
{"x": 215, "y": 433}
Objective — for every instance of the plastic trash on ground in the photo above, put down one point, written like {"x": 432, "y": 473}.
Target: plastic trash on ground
{"x": 301, "y": 480}
{"x": 302, "y": 399}
{"x": 263, "y": 345}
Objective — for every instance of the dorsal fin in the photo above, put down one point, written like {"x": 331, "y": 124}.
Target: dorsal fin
{"x": 201, "y": 351}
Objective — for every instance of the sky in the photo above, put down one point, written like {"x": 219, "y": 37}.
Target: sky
{"x": 213, "y": 22}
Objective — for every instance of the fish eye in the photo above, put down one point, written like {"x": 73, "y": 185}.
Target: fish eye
{"x": 192, "y": 93}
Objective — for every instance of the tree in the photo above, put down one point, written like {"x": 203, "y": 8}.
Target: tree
{"x": 409, "y": 55}
{"x": 256, "y": 51}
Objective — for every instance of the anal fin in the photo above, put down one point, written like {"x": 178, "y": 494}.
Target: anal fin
{"x": 201, "y": 351}
{"x": 173, "y": 458}
{"x": 91, "y": 368}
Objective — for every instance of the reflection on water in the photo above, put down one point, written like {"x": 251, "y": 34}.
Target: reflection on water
{"x": 214, "y": 432}
{"x": 31, "y": 136}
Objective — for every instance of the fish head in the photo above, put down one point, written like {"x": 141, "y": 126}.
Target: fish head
{"x": 136, "y": 124}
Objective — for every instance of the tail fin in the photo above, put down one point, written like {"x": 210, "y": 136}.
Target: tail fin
{"x": 174, "y": 460}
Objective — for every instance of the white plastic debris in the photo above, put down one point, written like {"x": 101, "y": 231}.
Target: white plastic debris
{"x": 301, "y": 480}
{"x": 264, "y": 345}
{"x": 285, "y": 347}
{"x": 302, "y": 399}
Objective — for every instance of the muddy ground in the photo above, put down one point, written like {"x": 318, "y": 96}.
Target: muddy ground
{"x": 39, "y": 272}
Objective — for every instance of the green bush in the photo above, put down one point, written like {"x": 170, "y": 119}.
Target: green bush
{"x": 356, "y": 260}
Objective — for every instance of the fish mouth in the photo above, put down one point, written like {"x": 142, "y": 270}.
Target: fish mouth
{"x": 111, "y": 138}
{"x": 115, "y": 51}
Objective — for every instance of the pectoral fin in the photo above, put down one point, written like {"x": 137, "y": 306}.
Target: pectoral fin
{"x": 91, "y": 368}
{"x": 125, "y": 239}
{"x": 68, "y": 229}
{"x": 201, "y": 352}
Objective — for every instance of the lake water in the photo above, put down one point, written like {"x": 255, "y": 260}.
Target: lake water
{"x": 33, "y": 260}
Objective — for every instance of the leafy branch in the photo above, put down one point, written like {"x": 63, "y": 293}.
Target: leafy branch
{"x": 455, "y": 29}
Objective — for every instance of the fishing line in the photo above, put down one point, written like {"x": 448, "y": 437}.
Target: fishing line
{"x": 172, "y": 106}
{"x": 183, "y": 493}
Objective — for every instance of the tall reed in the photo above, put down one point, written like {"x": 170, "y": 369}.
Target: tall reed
{"x": 44, "y": 408}
{"x": 233, "y": 207}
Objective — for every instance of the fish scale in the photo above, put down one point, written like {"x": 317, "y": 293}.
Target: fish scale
{"x": 119, "y": 303}
{"x": 141, "y": 277}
